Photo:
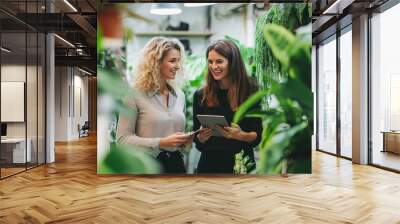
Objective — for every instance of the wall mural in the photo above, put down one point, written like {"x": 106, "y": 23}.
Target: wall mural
{"x": 219, "y": 94}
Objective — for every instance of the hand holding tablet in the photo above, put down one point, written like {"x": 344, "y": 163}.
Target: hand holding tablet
{"x": 211, "y": 121}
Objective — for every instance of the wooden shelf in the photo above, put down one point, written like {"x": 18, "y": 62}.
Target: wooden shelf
{"x": 175, "y": 33}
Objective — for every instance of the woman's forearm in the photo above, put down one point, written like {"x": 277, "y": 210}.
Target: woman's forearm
{"x": 132, "y": 139}
{"x": 247, "y": 136}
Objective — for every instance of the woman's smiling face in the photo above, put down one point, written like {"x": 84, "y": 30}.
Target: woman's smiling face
{"x": 170, "y": 64}
{"x": 218, "y": 65}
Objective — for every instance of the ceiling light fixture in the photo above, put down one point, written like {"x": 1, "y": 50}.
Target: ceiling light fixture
{"x": 337, "y": 7}
{"x": 5, "y": 49}
{"x": 70, "y": 5}
{"x": 64, "y": 40}
{"x": 165, "y": 9}
{"x": 197, "y": 4}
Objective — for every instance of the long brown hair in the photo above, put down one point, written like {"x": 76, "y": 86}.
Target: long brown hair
{"x": 241, "y": 84}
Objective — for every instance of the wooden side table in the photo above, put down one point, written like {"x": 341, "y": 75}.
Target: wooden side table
{"x": 391, "y": 141}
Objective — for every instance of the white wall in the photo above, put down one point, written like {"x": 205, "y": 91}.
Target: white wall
{"x": 236, "y": 25}
{"x": 70, "y": 83}
{"x": 79, "y": 117}
{"x": 12, "y": 73}
{"x": 61, "y": 103}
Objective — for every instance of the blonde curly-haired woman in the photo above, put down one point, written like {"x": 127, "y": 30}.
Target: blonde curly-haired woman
{"x": 159, "y": 121}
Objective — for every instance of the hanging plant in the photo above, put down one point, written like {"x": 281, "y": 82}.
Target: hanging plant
{"x": 290, "y": 16}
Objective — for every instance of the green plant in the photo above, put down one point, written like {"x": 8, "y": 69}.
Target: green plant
{"x": 286, "y": 137}
{"x": 243, "y": 165}
{"x": 123, "y": 160}
{"x": 110, "y": 69}
{"x": 290, "y": 16}
{"x": 112, "y": 89}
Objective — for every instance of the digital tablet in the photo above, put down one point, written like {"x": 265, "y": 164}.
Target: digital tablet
{"x": 210, "y": 121}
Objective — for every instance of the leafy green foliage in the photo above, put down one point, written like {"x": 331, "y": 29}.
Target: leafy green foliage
{"x": 286, "y": 137}
{"x": 123, "y": 159}
{"x": 295, "y": 56}
{"x": 106, "y": 83}
{"x": 119, "y": 159}
{"x": 99, "y": 40}
{"x": 111, "y": 82}
{"x": 290, "y": 16}
{"x": 253, "y": 99}
{"x": 243, "y": 165}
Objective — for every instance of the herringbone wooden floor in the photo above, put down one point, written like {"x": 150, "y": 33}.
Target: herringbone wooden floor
{"x": 70, "y": 191}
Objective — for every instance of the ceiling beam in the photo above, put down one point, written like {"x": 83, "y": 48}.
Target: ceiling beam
{"x": 86, "y": 27}
{"x": 83, "y": 61}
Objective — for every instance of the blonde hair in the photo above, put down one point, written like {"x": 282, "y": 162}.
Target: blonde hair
{"x": 147, "y": 75}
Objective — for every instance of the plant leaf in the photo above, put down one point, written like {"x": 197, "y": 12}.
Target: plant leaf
{"x": 280, "y": 40}
{"x": 123, "y": 159}
{"x": 253, "y": 99}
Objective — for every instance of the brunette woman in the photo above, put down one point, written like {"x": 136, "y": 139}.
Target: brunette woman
{"x": 227, "y": 87}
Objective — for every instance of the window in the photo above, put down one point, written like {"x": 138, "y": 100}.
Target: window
{"x": 22, "y": 75}
{"x": 385, "y": 89}
{"x": 327, "y": 96}
{"x": 346, "y": 93}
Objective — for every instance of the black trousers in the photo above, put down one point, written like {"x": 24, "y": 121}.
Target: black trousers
{"x": 216, "y": 162}
{"x": 220, "y": 161}
{"x": 171, "y": 162}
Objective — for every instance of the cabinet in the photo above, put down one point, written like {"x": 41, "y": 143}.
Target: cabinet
{"x": 13, "y": 150}
{"x": 391, "y": 142}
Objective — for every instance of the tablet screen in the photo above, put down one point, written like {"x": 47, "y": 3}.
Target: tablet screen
{"x": 210, "y": 121}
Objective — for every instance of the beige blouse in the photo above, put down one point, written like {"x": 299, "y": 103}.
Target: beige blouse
{"x": 152, "y": 120}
